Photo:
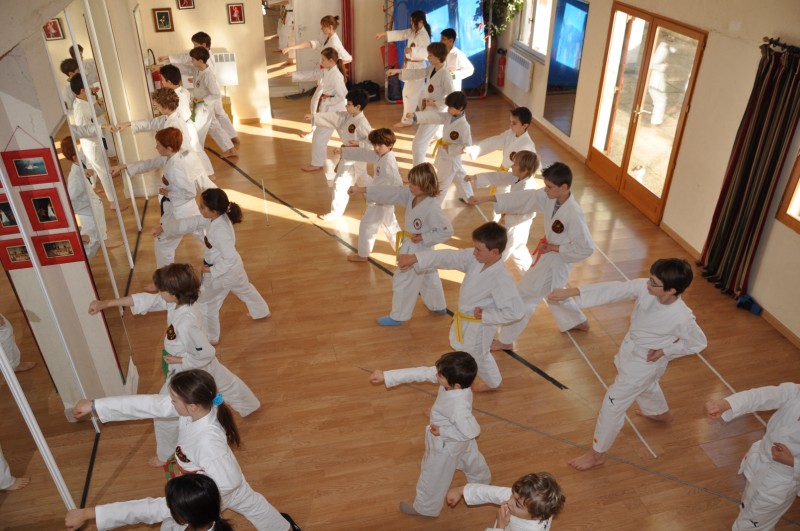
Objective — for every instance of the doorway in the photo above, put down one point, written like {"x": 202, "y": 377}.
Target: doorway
{"x": 650, "y": 67}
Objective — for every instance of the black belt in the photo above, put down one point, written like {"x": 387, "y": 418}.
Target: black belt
{"x": 207, "y": 264}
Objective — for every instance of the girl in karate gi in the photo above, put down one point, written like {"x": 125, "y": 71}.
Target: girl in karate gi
{"x": 329, "y": 39}
{"x": 438, "y": 85}
{"x": 210, "y": 117}
{"x": 205, "y": 430}
{"x": 386, "y": 174}
{"x": 417, "y": 38}
{"x": 455, "y": 137}
{"x": 330, "y": 96}
{"x": 178, "y": 193}
{"x": 223, "y": 270}
{"x": 186, "y": 345}
{"x": 520, "y": 177}
{"x": 425, "y": 226}
{"x": 529, "y": 505}
{"x": 771, "y": 465}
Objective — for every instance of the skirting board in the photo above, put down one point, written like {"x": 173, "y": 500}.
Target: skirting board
{"x": 694, "y": 253}
{"x": 793, "y": 338}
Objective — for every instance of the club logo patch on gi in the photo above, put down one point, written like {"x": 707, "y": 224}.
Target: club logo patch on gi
{"x": 180, "y": 455}
{"x": 453, "y": 135}
{"x": 430, "y": 89}
{"x": 171, "y": 335}
{"x": 164, "y": 180}
{"x": 351, "y": 129}
{"x": 513, "y": 154}
{"x": 417, "y": 223}
{"x": 557, "y": 227}
{"x": 208, "y": 243}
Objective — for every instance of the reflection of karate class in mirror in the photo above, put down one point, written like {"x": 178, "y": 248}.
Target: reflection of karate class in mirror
{"x": 83, "y": 210}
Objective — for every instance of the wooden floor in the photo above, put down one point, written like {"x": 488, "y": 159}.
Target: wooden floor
{"x": 338, "y": 453}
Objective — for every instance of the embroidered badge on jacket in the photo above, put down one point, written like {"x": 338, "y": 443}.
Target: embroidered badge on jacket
{"x": 164, "y": 180}
{"x": 208, "y": 243}
{"x": 430, "y": 89}
{"x": 453, "y": 135}
{"x": 351, "y": 129}
{"x": 180, "y": 455}
{"x": 417, "y": 223}
{"x": 557, "y": 227}
{"x": 171, "y": 335}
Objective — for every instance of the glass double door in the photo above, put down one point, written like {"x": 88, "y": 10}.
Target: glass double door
{"x": 649, "y": 73}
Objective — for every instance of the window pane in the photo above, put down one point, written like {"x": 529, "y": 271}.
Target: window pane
{"x": 526, "y": 23}
{"x": 541, "y": 25}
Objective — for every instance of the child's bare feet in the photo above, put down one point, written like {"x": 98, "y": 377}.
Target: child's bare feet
{"x": 481, "y": 387}
{"x": 310, "y": 168}
{"x": 214, "y": 342}
{"x": 306, "y": 136}
{"x": 330, "y": 216}
{"x": 113, "y": 244}
{"x": 498, "y": 345}
{"x": 236, "y": 141}
{"x": 401, "y": 125}
{"x": 155, "y": 462}
{"x": 25, "y": 366}
{"x": 353, "y": 257}
{"x": 583, "y": 327}
{"x": 232, "y": 152}
{"x": 663, "y": 417}
{"x": 113, "y": 206}
{"x": 588, "y": 460}
{"x": 212, "y": 177}
{"x": 19, "y": 483}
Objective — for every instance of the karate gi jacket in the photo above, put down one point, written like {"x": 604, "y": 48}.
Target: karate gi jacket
{"x": 426, "y": 219}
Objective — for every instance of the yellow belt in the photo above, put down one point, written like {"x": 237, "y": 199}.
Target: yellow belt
{"x": 493, "y": 189}
{"x": 458, "y": 317}
{"x": 440, "y": 142}
{"x": 398, "y": 240}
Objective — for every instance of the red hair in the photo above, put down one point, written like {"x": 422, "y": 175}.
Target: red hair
{"x": 171, "y": 138}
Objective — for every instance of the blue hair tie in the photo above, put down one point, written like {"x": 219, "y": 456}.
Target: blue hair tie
{"x": 217, "y": 400}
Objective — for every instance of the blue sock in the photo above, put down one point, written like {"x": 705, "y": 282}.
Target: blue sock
{"x": 388, "y": 321}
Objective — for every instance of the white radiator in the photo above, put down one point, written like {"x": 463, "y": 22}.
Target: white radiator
{"x": 519, "y": 70}
{"x": 225, "y": 68}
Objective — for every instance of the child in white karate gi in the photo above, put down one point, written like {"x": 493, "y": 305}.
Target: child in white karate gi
{"x": 210, "y": 116}
{"x": 329, "y": 96}
{"x": 455, "y": 138}
{"x": 662, "y": 328}
{"x": 7, "y": 481}
{"x": 223, "y": 270}
{"x": 425, "y": 226}
{"x": 457, "y": 64}
{"x": 286, "y": 29}
{"x": 567, "y": 240}
{"x": 353, "y": 128}
{"x": 771, "y": 465}
{"x": 450, "y": 436}
{"x": 488, "y": 296}
{"x": 327, "y": 25}
{"x": 438, "y": 85}
{"x": 417, "y": 37}
{"x": 529, "y": 505}
{"x": 205, "y": 430}
{"x": 525, "y": 164}
{"x": 186, "y": 345}
{"x": 386, "y": 174}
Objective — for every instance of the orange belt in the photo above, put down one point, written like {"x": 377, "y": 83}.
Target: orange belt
{"x": 538, "y": 252}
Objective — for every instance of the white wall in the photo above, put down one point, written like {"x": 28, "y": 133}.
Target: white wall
{"x": 367, "y": 63}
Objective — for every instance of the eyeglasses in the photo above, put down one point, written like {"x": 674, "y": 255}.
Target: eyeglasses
{"x": 653, "y": 284}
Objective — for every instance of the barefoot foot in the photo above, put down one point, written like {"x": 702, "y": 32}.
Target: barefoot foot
{"x": 112, "y": 206}
{"x": 481, "y": 387}
{"x": 236, "y": 141}
{"x": 214, "y": 342}
{"x": 19, "y": 483}
{"x": 401, "y": 125}
{"x": 232, "y": 152}
{"x": 113, "y": 244}
{"x": 353, "y": 257}
{"x": 663, "y": 417}
{"x": 588, "y": 460}
{"x": 311, "y": 168}
{"x": 330, "y": 216}
{"x": 155, "y": 462}
{"x": 583, "y": 327}
{"x": 25, "y": 366}
{"x": 498, "y": 345}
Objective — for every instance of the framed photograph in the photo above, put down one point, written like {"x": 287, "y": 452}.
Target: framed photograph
{"x": 53, "y": 30}
{"x": 235, "y": 13}
{"x": 8, "y": 223}
{"x": 162, "y": 18}
{"x": 58, "y": 248}
{"x": 44, "y": 209}
{"x": 30, "y": 166}
{"x": 185, "y": 4}
{"x": 14, "y": 255}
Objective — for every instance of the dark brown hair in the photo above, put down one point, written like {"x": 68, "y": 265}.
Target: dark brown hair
{"x": 68, "y": 148}
{"x": 438, "y": 50}
{"x": 540, "y": 494}
{"x": 180, "y": 281}
{"x": 200, "y": 53}
{"x": 383, "y": 136}
{"x": 217, "y": 201}
{"x": 167, "y": 98}
{"x": 196, "y": 386}
{"x": 332, "y": 55}
{"x": 492, "y": 235}
{"x": 329, "y": 21}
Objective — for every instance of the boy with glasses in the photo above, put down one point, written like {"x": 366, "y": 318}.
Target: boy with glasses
{"x": 662, "y": 328}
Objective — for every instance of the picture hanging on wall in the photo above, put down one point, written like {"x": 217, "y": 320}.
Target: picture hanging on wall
{"x": 58, "y": 248}
{"x": 53, "y": 30}
{"x": 8, "y": 222}
{"x": 14, "y": 255}
{"x": 235, "y": 13}
{"x": 185, "y": 4}
{"x": 162, "y": 18}
{"x": 44, "y": 209}
{"x": 30, "y": 166}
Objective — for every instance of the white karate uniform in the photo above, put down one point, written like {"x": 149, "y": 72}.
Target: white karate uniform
{"x": 427, "y": 220}
{"x": 330, "y": 83}
{"x": 286, "y": 34}
{"x": 186, "y": 338}
{"x": 191, "y": 156}
{"x": 771, "y": 486}
{"x": 517, "y": 225}
{"x": 6, "y": 479}
{"x": 453, "y": 449}
{"x": 377, "y": 215}
{"x": 92, "y": 148}
{"x": 509, "y": 143}
{"x": 185, "y": 112}
{"x": 458, "y": 66}
{"x": 417, "y": 43}
{"x": 88, "y": 207}
{"x": 455, "y": 138}
{"x": 227, "y": 271}
{"x": 437, "y": 87}
{"x": 209, "y": 115}
{"x": 350, "y": 128}
{"x": 477, "y": 494}
{"x": 552, "y": 269}
{"x": 68, "y": 96}
{"x": 654, "y": 326}
{"x": 179, "y": 204}
{"x": 492, "y": 290}
{"x": 334, "y": 42}
{"x": 9, "y": 343}
{"x": 201, "y": 447}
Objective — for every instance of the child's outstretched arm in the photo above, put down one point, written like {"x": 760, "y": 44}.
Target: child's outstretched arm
{"x": 376, "y": 377}
{"x": 98, "y": 306}
{"x": 454, "y": 496}
{"x": 562, "y": 294}
{"x": 715, "y": 408}
{"x": 475, "y": 200}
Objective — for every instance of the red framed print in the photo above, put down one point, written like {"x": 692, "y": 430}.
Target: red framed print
{"x": 185, "y": 4}
{"x": 53, "y": 30}
{"x": 58, "y": 248}
{"x": 30, "y": 166}
{"x": 162, "y": 18}
{"x": 14, "y": 254}
{"x": 44, "y": 208}
{"x": 8, "y": 222}
{"x": 235, "y": 13}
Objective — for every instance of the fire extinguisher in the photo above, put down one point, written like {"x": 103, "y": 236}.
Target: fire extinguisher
{"x": 501, "y": 67}
{"x": 155, "y": 75}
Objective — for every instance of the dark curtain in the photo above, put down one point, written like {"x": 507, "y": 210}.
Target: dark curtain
{"x": 759, "y": 152}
